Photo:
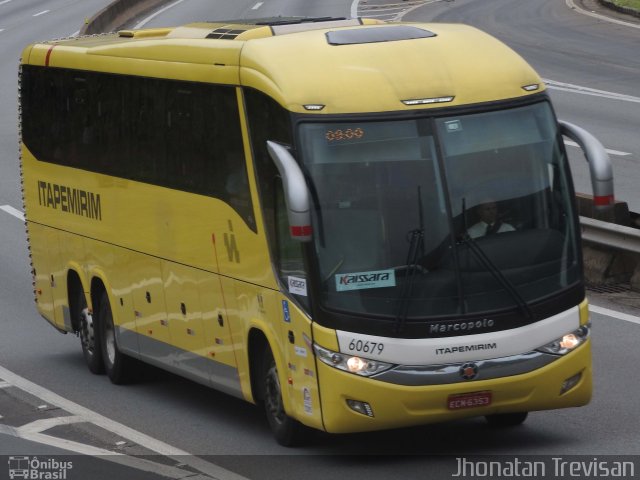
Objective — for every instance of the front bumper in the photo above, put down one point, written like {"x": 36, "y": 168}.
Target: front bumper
{"x": 395, "y": 405}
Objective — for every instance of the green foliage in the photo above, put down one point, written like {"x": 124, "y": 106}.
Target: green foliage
{"x": 628, "y": 3}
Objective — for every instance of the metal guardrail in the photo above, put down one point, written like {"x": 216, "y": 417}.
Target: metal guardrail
{"x": 610, "y": 235}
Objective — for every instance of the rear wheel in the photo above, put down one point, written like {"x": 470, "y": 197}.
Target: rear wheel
{"x": 117, "y": 365}
{"x": 507, "y": 419}
{"x": 286, "y": 430}
{"x": 89, "y": 336}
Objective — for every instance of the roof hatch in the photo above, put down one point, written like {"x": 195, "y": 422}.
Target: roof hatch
{"x": 377, "y": 34}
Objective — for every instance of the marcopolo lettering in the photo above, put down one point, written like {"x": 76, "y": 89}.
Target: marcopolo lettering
{"x": 461, "y": 326}
{"x": 70, "y": 200}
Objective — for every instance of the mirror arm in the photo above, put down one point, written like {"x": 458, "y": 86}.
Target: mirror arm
{"x": 296, "y": 193}
{"x": 599, "y": 164}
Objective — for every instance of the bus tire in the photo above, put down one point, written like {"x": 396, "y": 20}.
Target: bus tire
{"x": 116, "y": 364}
{"x": 507, "y": 419}
{"x": 287, "y": 431}
{"x": 84, "y": 324}
{"x": 89, "y": 335}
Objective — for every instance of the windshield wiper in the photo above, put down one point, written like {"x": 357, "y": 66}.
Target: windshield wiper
{"x": 416, "y": 251}
{"x": 412, "y": 268}
{"x": 497, "y": 274}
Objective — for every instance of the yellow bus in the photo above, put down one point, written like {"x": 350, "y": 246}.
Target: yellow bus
{"x": 358, "y": 225}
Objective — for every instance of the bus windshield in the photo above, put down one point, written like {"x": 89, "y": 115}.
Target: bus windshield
{"x": 440, "y": 216}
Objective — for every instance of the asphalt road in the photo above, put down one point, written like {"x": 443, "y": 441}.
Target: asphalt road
{"x": 172, "y": 416}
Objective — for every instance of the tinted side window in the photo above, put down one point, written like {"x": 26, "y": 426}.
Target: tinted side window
{"x": 179, "y": 135}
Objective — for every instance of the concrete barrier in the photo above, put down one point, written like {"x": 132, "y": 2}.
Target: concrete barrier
{"x": 118, "y": 13}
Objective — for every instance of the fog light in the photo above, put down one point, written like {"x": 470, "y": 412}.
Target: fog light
{"x": 361, "y": 407}
{"x": 569, "y": 383}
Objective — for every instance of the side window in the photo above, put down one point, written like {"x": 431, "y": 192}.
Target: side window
{"x": 228, "y": 170}
{"x": 179, "y": 128}
{"x": 204, "y": 148}
{"x": 144, "y": 151}
{"x": 181, "y": 135}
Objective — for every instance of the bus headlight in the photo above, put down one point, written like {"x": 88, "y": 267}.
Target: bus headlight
{"x": 364, "y": 367}
{"x": 567, "y": 342}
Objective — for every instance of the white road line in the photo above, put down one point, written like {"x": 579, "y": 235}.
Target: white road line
{"x": 4, "y": 1}
{"x": 12, "y": 211}
{"x": 257, "y": 6}
{"x": 387, "y": 8}
{"x": 570, "y": 87}
{"x": 115, "y": 427}
{"x": 615, "y": 314}
{"x": 401, "y": 16}
{"x": 41, "y": 13}
{"x": 41, "y": 425}
{"x": 114, "y": 457}
{"x": 609, "y": 151}
{"x": 4, "y": 384}
{"x": 143, "y": 22}
{"x": 354, "y": 8}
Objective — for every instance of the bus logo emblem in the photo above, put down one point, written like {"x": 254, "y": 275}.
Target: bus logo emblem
{"x": 469, "y": 371}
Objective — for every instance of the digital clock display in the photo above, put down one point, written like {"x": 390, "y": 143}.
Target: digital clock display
{"x": 341, "y": 135}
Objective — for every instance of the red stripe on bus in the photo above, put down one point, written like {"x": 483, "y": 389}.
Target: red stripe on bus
{"x": 46, "y": 60}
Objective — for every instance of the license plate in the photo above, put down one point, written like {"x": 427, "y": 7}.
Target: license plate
{"x": 469, "y": 400}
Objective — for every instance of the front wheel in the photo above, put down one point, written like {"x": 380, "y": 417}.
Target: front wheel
{"x": 117, "y": 365}
{"x": 285, "y": 429}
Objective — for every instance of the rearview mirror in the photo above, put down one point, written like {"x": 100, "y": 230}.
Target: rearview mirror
{"x": 599, "y": 164}
{"x": 296, "y": 193}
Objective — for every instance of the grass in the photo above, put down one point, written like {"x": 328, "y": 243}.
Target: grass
{"x": 628, "y": 3}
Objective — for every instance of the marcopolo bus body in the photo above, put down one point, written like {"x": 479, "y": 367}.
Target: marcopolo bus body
{"x": 359, "y": 225}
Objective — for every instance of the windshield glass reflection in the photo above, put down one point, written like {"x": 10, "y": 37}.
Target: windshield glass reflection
{"x": 392, "y": 229}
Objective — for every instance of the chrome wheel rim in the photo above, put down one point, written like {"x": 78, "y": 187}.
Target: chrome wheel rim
{"x": 87, "y": 333}
{"x": 110, "y": 343}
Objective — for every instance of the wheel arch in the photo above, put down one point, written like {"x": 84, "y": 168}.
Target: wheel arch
{"x": 258, "y": 341}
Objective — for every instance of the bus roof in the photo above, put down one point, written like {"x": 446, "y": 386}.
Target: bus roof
{"x": 323, "y": 66}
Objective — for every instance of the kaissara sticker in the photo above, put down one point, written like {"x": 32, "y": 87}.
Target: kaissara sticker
{"x": 362, "y": 280}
